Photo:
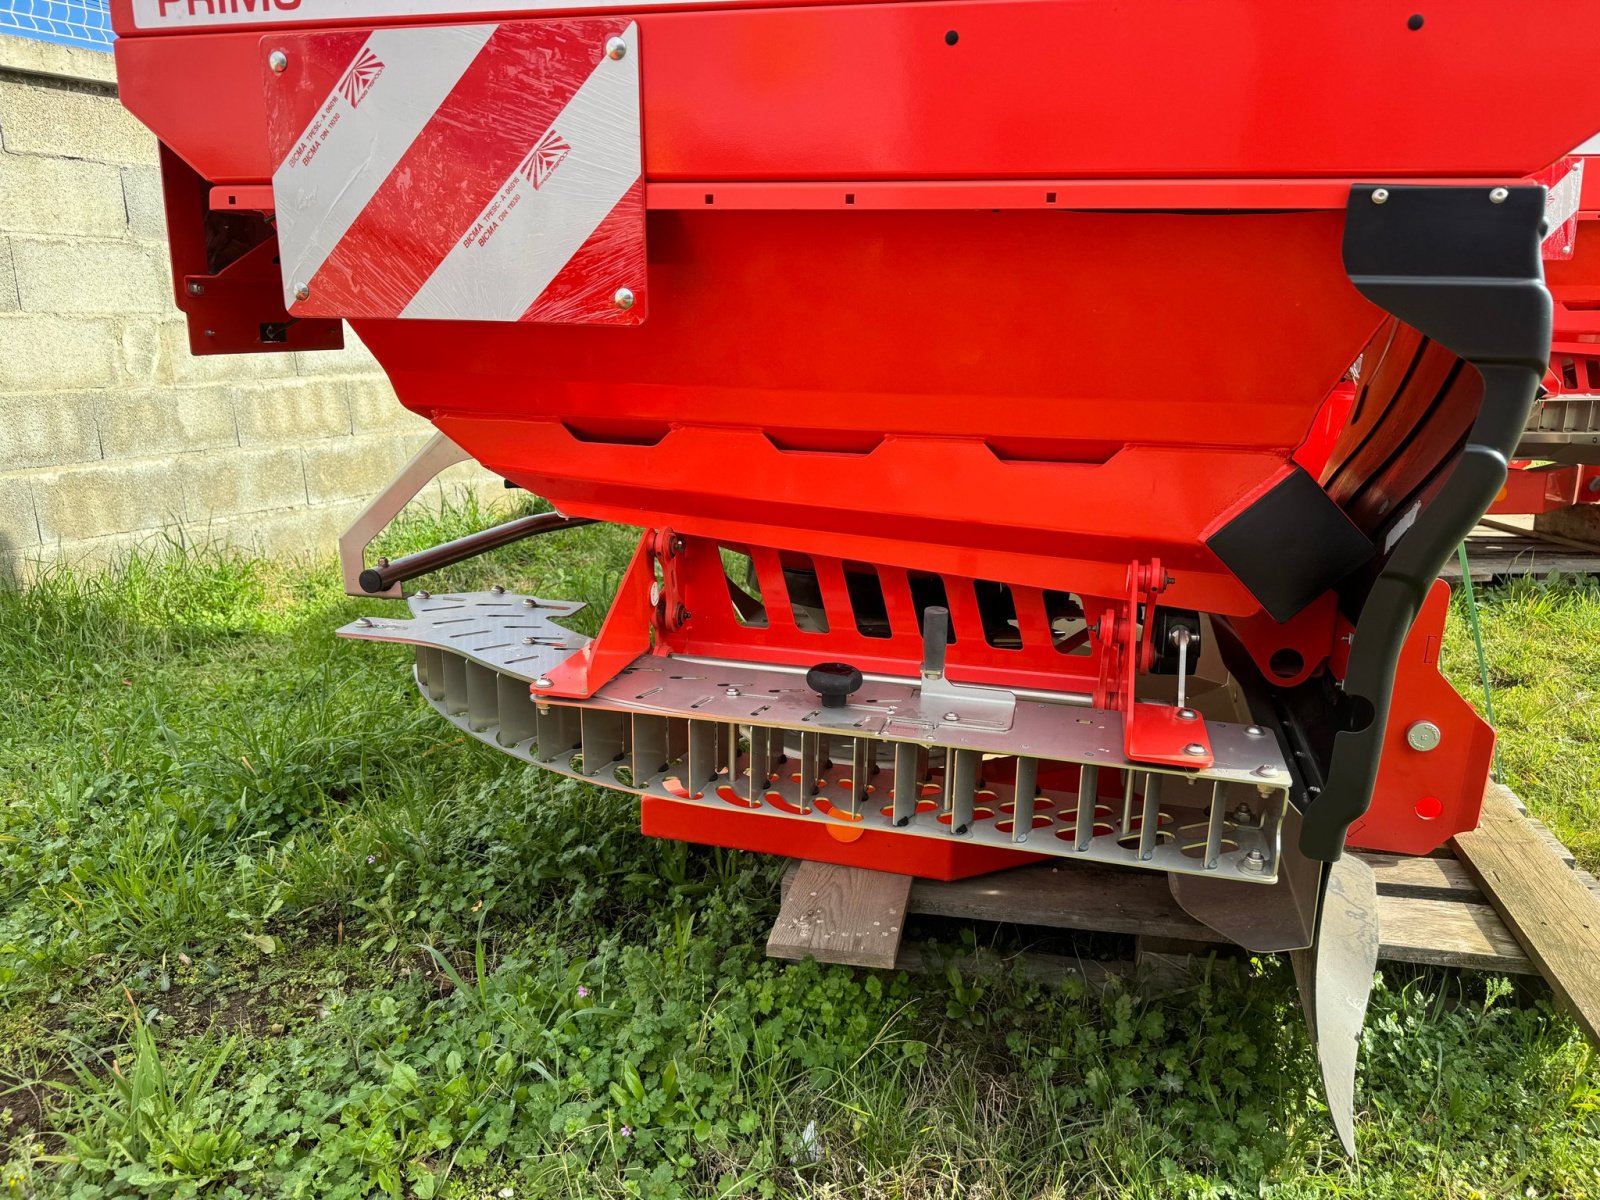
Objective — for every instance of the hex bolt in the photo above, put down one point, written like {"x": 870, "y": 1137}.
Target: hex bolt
{"x": 542, "y": 682}
{"x": 1194, "y": 749}
{"x": 1255, "y": 862}
{"x": 1423, "y": 736}
{"x": 616, "y": 49}
{"x": 1243, "y": 816}
{"x": 1498, "y": 196}
{"x": 623, "y": 298}
{"x": 1380, "y": 195}
{"x": 278, "y": 61}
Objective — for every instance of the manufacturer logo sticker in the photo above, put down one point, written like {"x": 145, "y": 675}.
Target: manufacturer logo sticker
{"x": 544, "y": 158}
{"x": 358, "y": 80}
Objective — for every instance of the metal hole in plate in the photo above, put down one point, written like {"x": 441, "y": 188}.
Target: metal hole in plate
{"x": 1101, "y": 829}
{"x": 1040, "y": 804}
{"x": 923, "y": 806}
{"x": 1131, "y": 841}
{"x": 838, "y": 814}
{"x": 978, "y": 814}
{"x": 1198, "y": 849}
{"x": 726, "y": 794}
{"x": 1038, "y": 823}
{"x": 847, "y": 782}
{"x": 675, "y": 786}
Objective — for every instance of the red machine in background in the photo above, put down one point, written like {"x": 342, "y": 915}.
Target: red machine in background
{"x": 1558, "y": 460}
{"x": 979, "y": 372}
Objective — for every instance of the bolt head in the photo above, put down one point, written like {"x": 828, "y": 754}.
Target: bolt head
{"x": 364, "y": 622}
{"x": 424, "y": 595}
{"x": 1423, "y": 736}
{"x": 1498, "y": 196}
{"x": 302, "y": 291}
{"x": 1194, "y": 750}
{"x": 616, "y": 49}
{"x": 623, "y": 298}
{"x": 196, "y": 288}
{"x": 530, "y": 602}
{"x": 1187, "y": 714}
{"x": 732, "y": 692}
{"x": 498, "y": 589}
{"x": 1255, "y": 731}
{"x": 1265, "y": 771}
{"x": 1380, "y": 195}
{"x": 278, "y": 61}
{"x": 528, "y": 641}
{"x": 952, "y": 717}
{"x": 542, "y": 683}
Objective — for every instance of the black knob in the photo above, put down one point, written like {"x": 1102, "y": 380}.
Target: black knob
{"x": 834, "y": 682}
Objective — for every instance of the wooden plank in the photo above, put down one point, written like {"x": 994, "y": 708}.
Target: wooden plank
{"x": 1077, "y": 896}
{"x": 1426, "y": 878}
{"x": 1447, "y": 933}
{"x": 1042, "y": 968}
{"x": 841, "y": 915}
{"x": 1552, "y": 914}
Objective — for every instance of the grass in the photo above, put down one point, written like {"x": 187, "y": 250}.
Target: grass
{"x": 270, "y": 928}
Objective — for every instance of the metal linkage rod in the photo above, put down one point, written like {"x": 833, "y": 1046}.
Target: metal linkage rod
{"x": 389, "y": 573}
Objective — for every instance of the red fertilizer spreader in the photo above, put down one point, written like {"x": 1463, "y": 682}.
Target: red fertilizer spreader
{"x": 1046, "y": 418}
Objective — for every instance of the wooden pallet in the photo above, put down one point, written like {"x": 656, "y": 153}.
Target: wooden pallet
{"x": 1504, "y": 549}
{"x": 1509, "y": 900}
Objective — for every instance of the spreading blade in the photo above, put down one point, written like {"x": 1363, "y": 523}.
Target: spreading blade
{"x": 1335, "y": 980}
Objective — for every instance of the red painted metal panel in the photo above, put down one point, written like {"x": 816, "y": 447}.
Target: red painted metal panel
{"x": 1089, "y": 89}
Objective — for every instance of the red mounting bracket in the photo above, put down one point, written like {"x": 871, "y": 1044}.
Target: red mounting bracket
{"x": 1162, "y": 734}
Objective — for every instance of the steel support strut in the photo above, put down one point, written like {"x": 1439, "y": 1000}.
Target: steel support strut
{"x": 1462, "y": 266}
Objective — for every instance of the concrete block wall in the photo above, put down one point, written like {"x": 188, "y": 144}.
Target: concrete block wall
{"x": 110, "y": 432}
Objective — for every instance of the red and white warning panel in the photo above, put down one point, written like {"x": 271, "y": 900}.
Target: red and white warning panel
{"x": 460, "y": 172}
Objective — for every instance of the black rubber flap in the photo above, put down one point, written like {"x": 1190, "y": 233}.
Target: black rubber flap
{"x": 1291, "y": 545}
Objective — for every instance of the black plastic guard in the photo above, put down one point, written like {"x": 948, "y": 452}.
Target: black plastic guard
{"x": 1461, "y": 265}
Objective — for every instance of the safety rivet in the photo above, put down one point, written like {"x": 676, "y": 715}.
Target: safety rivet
{"x": 278, "y": 61}
{"x": 616, "y": 49}
{"x": 623, "y": 298}
{"x": 1380, "y": 195}
{"x": 1498, "y": 196}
